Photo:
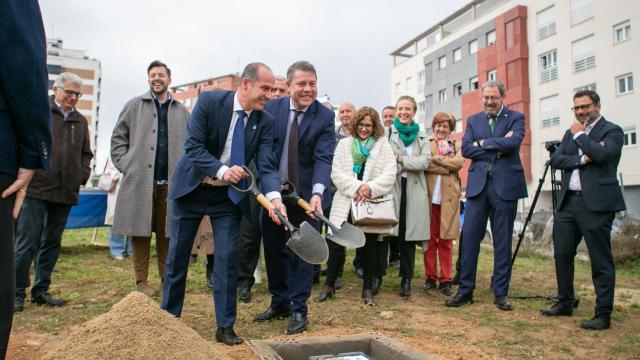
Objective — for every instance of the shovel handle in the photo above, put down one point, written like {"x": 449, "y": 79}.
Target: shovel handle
{"x": 307, "y": 207}
{"x": 267, "y": 205}
{"x": 304, "y": 205}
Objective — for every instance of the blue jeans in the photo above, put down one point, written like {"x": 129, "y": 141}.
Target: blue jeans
{"x": 119, "y": 245}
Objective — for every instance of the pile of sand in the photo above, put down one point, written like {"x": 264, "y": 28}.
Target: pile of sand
{"x": 135, "y": 328}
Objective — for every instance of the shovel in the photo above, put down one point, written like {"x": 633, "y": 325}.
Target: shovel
{"x": 305, "y": 241}
{"x": 347, "y": 235}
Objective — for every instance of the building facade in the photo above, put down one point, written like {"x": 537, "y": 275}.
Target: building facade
{"x": 188, "y": 93}
{"x": 61, "y": 60}
{"x": 543, "y": 51}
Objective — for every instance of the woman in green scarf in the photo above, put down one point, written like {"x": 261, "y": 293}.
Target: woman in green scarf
{"x": 411, "y": 148}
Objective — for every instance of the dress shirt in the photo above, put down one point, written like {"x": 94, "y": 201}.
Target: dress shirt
{"x": 408, "y": 151}
{"x": 574, "y": 181}
{"x": 65, "y": 114}
{"x": 437, "y": 195}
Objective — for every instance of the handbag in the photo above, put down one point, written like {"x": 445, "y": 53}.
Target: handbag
{"x": 105, "y": 182}
{"x": 380, "y": 211}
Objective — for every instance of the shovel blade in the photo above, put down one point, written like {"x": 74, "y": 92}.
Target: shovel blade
{"x": 348, "y": 235}
{"x": 308, "y": 244}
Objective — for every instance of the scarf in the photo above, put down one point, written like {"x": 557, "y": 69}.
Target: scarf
{"x": 407, "y": 133}
{"x": 444, "y": 148}
{"x": 360, "y": 151}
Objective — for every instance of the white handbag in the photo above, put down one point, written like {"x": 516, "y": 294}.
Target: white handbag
{"x": 105, "y": 182}
{"x": 380, "y": 211}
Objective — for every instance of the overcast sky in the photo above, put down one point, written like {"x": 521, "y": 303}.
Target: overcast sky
{"x": 348, "y": 42}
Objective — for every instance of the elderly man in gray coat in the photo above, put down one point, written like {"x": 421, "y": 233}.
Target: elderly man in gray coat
{"x": 146, "y": 144}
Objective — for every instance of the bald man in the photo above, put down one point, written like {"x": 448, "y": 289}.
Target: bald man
{"x": 346, "y": 112}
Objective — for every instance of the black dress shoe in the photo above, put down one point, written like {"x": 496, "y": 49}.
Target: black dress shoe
{"x": 360, "y": 272}
{"x": 44, "y": 298}
{"x": 405, "y": 287}
{"x": 244, "y": 294}
{"x": 459, "y": 300}
{"x": 273, "y": 313}
{"x": 502, "y": 303}
{"x": 338, "y": 283}
{"x": 327, "y": 293}
{"x": 558, "y": 309}
{"x": 227, "y": 336}
{"x": 429, "y": 284}
{"x": 367, "y": 297}
{"x": 297, "y": 323}
{"x": 598, "y": 322}
{"x": 377, "y": 283}
{"x": 445, "y": 288}
{"x": 18, "y": 304}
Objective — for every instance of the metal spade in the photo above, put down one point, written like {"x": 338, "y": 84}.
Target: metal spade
{"x": 305, "y": 241}
{"x": 347, "y": 235}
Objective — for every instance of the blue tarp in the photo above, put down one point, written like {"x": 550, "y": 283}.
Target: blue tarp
{"x": 90, "y": 211}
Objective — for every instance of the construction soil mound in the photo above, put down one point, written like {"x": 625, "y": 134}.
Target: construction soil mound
{"x": 135, "y": 328}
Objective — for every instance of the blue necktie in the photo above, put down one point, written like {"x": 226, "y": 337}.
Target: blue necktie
{"x": 237, "y": 155}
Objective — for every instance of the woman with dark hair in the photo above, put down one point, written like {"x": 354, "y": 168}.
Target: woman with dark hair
{"x": 413, "y": 155}
{"x": 443, "y": 184}
{"x": 364, "y": 168}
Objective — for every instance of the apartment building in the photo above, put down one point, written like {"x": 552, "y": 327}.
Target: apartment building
{"x": 188, "y": 93}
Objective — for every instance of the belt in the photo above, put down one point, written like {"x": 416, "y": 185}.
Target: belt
{"x": 574, "y": 192}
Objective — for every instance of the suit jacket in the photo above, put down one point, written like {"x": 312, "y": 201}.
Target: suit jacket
{"x": 25, "y": 118}
{"x": 317, "y": 141}
{"x": 598, "y": 178}
{"x": 499, "y": 152}
{"x": 207, "y": 131}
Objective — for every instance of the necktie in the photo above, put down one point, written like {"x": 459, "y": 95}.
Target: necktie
{"x": 492, "y": 124}
{"x": 237, "y": 155}
{"x": 293, "y": 150}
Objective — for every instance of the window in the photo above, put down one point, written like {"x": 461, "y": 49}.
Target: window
{"x": 591, "y": 87}
{"x": 548, "y": 66}
{"x": 622, "y": 32}
{"x": 442, "y": 62}
{"x": 473, "y": 46}
{"x": 630, "y": 137}
{"x": 457, "y": 90}
{"x": 407, "y": 83}
{"x": 458, "y": 125}
{"x": 584, "y": 54}
{"x": 473, "y": 83}
{"x": 546, "y": 23}
{"x": 457, "y": 55}
{"x": 420, "y": 81}
{"x": 397, "y": 89}
{"x": 442, "y": 95}
{"x": 54, "y": 69}
{"x": 491, "y": 37}
{"x": 624, "y": 84}
{"x": 550, "y": 111}
{"x": 581, "y": 10}
{"x": 51, "y": 82}
{"x": 422, "y": 106}
{"x": 492, "y": 75}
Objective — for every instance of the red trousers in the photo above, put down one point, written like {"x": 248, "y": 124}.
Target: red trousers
{"x": 437, "y": 248}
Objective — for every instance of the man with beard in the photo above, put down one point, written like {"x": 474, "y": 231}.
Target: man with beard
{"x": 145, "y": 145}
{"x": 495, "y": 183}
{"x": 589, "y": 198}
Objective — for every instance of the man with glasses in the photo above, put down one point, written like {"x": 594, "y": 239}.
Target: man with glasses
{"x": 495, "y": 183}
{"x": 52, "y": 193}
{"x": 589, "y": 198}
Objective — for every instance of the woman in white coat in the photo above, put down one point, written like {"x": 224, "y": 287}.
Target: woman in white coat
{"x": 119, "y": 245}
{"x": 364, "y": 168}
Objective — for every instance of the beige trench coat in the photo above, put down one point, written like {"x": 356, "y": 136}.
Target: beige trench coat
{"x": 418, "y": 209}
{"x": 450, "y": 191}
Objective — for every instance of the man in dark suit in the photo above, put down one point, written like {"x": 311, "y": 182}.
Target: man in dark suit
{"x": 225, "y": 132}
{"x": 495, "y": 183}
{"x": 589, "y": 198}
{"x": 25, "y": 131}
{"x": 304, "y": 140}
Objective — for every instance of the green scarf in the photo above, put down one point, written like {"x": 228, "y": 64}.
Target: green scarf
{"x": 407, "y": 133}
{"x": 360, "y": 150}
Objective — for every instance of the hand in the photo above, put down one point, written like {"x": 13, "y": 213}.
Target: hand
{"x": 509, "y": 133}
{"x": 587, "y": 159}
{"x": 316, "y": 205}
{"x": 277, "y": 204}
{"x": 481, "y": 142}
{"x": 364, "y": 191}
{"x": 20, "y": 186}
{"x": 577, "y": 127}
{"x": 399, "y": 159}
{"x": 234, "y": 174}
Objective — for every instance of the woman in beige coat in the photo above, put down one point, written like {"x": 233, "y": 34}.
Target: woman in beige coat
{"x": 444, "y": 196}
{"x": 410, "y": 145}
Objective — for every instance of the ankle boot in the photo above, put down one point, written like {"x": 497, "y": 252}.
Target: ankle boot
{"x": 405, "y": 287}
{"x": 327, "y": 293}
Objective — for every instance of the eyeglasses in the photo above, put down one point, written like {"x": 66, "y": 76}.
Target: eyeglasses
{"x": 365, "y": 126}
{"x": 491, "y": 98}
{"x": 77, "y": 94}
{"x": 582, "y": 107}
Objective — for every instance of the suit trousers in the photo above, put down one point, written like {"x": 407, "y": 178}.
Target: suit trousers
{"x": 375, "y": 259}
{"x": 437, "y": 249}
{"x": 574, "y": 221}
{"x": 38, "y": 238}
{"x": 503, "y": 213}
{"x": 141, "y": 245}
{"x": 249, "y": 245}
{"x": 7, "y": 268}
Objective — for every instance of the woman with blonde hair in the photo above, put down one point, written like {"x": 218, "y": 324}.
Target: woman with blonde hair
{"x": 443, "y": 184}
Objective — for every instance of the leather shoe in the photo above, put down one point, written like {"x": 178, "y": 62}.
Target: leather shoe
{"x": 502, "y": 303}
{"x": 445, "y": 288}
{"x": 459, "y": 300}
{"x": 377, "y": 283}
{"x": 273, "y": 313}
{"x": 227, "y": 336}
{"x": 598, "y": 322}
{"x": 338, "y": 283}
{"x": 244, "y": 294}
{"x": 326, "y": 294}
{"x": 297, "y": 323}
{"x": 558, "y": 309}
{"x": 429, "y": 284}
{"x": 18, "y": 304}
{"x": 44, "y": 298}
{"x": 367, "y": 297}
{"x": 405, "y": 287}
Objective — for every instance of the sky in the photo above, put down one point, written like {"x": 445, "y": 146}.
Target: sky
{"x": 348, "y": 42}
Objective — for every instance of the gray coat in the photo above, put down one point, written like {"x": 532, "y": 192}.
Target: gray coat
{"x": 418, "y": 208}
{"x": 133, "y": 152}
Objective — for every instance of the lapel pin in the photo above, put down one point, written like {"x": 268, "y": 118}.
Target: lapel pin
{"x": 254, "y": 127}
